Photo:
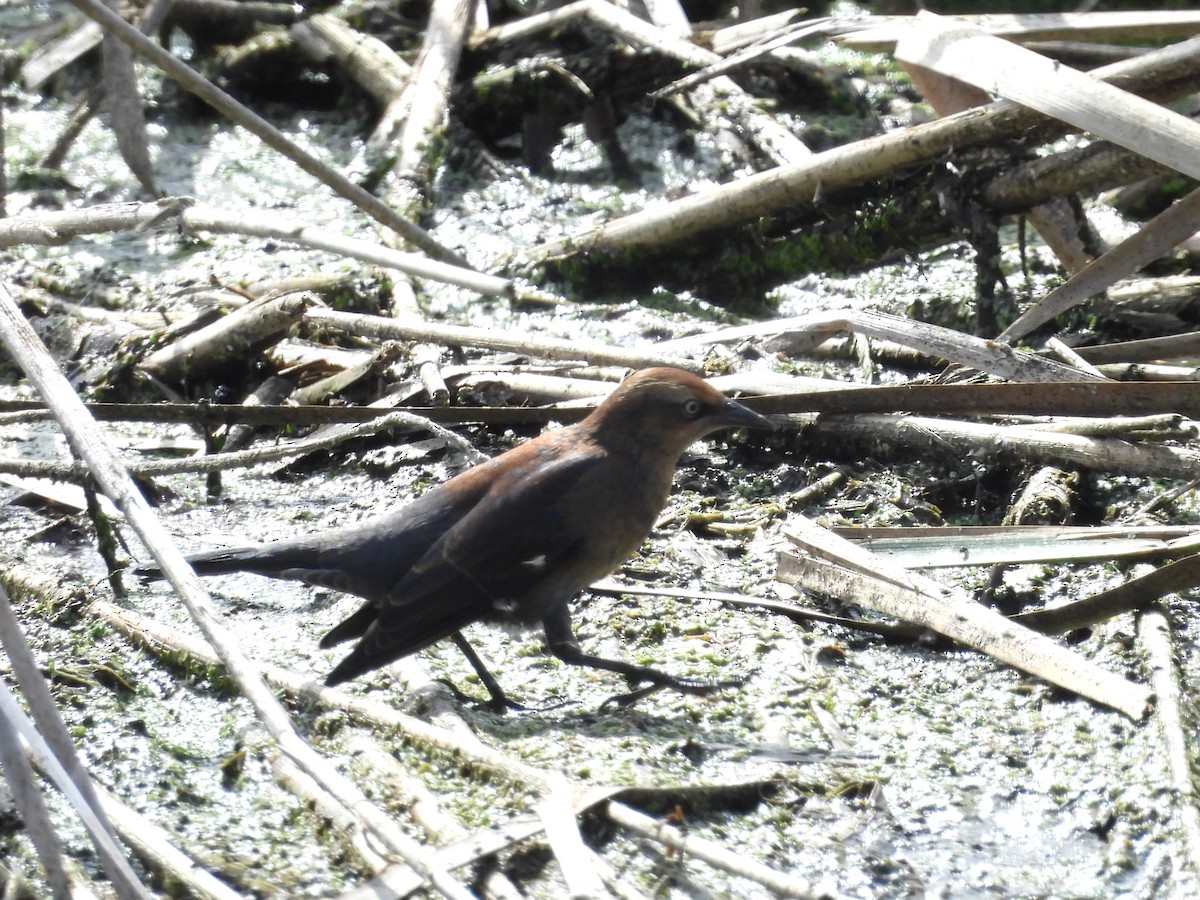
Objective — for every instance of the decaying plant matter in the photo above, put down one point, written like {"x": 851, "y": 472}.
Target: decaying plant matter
{"x": 1034, "y": 403}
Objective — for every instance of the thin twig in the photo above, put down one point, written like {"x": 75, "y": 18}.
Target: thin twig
{"x": 779, "y": 883}
{"x": 90, "y": 444}
{"x": 1154, "y": 631}
{"x": 261, "y": 128}
{"x": 221, "y": 462}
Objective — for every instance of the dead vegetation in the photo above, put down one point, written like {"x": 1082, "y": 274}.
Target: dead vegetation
{"x": 1092, "y": 378}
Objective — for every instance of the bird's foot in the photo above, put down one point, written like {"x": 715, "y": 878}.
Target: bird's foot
{"x": 620, "y": 701}
{"x": 683, "y": 685}
{"x": 499, "y": 701}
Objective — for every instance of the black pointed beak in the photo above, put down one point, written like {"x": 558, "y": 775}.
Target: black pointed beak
{"x": 732, "y": 414}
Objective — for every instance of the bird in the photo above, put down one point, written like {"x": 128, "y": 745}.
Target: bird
{"x": 510, "y": 541}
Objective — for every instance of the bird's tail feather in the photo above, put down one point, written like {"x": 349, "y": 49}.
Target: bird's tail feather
{"x": 353, "y": 627}
{"x": 235, "y": 559}
{"x": 424, "y": 628}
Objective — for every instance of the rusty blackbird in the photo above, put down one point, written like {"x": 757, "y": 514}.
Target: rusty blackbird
{"x": 512, "y": 540}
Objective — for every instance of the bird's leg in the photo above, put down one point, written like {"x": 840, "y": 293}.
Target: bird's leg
{"x": 561, "y": 641}
{"x": 499, "y": 701}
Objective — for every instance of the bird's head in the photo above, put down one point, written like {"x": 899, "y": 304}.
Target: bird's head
{"x": 669, "y": 409}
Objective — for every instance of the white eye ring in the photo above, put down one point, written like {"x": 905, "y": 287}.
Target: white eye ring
{"x": 691, "y": 407}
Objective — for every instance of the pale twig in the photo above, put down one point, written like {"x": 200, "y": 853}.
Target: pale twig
{"x": 28, "y": 798}
{"x": 800, "y": 333}
{"x": 780, "y": 607}
{"x": 805, "y": 181}
{"x": 779, "y": 883}
{"x": 154, "y": 848}
{"x": 832, "y": 566}
{"x": 975, "y": 438}
{"x": 790, "y": 35}
{"x": 457, "y": 740}
{"x": 56, "y": 750}
{"x": 86, "y": 440}
{"x": 271, "y": 136}
{"x": 371, "y": 63}
{"x": 57, "y": 227}
{"x": 1154, "y": 631}
{"x": 220, "y": 462}
{"x": 1038, "y": 82}
{"x": 1158, "y": 236}
{"x": 423, "y": 807}
{"x": 527, "y": 344}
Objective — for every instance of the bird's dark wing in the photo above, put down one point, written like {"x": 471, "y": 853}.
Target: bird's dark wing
{"x": 523, "y": 537}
